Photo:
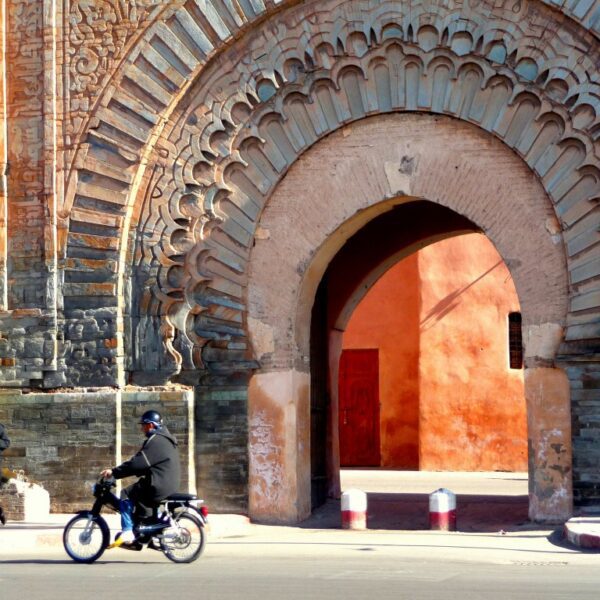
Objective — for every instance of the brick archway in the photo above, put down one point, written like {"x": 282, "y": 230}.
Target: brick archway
{"x": 458, "y": 167}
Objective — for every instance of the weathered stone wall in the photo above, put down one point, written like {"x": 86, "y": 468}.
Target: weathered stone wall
{"x": 63, "y": 440}
{"x": 222, "y": 446}
{"x": 585, "y": 409}
{"x": 27, "y": 348}
{"x": 142, "y": 140}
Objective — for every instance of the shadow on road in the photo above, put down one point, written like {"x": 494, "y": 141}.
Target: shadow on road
{"x": 36, "y": 561}
{"x": 410, "y": 512}
{"x": 63, "y": 561}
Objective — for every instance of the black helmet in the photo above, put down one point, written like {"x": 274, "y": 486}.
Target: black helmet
{"x": 152, "y": 416}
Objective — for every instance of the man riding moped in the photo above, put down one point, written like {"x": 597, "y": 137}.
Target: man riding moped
{"x": 157, "y": 465}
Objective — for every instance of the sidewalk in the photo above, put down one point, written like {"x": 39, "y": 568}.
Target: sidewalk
{"x": 578, "y": 533}
{"x": 493, "y": 505}
{"x": 19, "y": 536}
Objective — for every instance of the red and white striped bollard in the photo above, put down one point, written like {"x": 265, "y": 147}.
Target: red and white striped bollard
{"x": 354, "y": 509}
{"x": 442, "y": 510}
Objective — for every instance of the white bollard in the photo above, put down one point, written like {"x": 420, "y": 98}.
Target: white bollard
{"x": 354, "y": 509}
{"x": 442, "y": 510}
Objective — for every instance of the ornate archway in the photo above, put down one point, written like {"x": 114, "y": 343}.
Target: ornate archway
{"x": 373, "y": 218}
{"x": 228, "y": 158}
{"x": 178, "y": 173}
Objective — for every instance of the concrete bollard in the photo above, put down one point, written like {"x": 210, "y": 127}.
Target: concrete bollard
{"x": 354, "y": 509}
{"x": 442, "y": 510}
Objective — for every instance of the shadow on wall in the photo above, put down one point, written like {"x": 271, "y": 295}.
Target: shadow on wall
{"x": 439, "y": 320}
{"x": 450, "y": 302}
{"x": 410, "y": 512}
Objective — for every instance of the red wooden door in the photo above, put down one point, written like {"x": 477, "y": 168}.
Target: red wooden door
{"x": 359, "y": 408}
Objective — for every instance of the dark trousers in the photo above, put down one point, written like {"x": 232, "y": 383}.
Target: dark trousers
{"x": 142, "y": 497}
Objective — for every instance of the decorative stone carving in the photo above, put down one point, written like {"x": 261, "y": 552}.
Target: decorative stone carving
{"x": 96, "y": 38}
{"x": 245, "y": 125}
{"x": 268, "y": 98}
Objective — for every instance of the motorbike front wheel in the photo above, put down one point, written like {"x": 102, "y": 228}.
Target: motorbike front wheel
{"x": 86, "y": 537}
{"x": 184, "y": 543}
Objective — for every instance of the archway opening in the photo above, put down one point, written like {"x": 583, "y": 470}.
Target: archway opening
{"x": 369, "y": 216}
{"x": 431, "y": 373}
{"x": 411, "y": 363}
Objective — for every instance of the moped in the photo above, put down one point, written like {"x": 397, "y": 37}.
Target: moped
{"x": 176, "y": 527}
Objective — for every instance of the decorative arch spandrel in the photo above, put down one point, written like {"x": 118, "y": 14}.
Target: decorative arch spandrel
{"x": 201, "y": 113}
{"x": 241, "y": 129}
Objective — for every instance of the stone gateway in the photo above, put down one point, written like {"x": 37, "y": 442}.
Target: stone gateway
{"x": 197, "y": 194}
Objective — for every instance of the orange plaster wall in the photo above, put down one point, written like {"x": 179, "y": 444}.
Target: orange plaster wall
{"x": 448, "y": 399}
{"x": 388, "y": 319}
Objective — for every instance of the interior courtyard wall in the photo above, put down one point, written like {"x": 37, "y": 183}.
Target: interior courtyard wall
{"x": 387, "y": 319}
{"x": 474, "y": 413}
{"x": 449, "y": 399}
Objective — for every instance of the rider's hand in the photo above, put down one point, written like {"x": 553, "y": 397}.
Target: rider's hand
{"x": 106, "y": 473}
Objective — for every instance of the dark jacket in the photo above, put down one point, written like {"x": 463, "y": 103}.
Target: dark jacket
{"x": 4, "y": 444}
{"x": 157, "y": 463}
{"x": 4, "y": 441}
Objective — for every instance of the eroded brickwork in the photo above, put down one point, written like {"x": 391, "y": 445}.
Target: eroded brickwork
{"x": 24, "y": 501}
{"x": 585, "y": 401}
{"x": 222, "y": 446}
{"x": 64, "y": 440}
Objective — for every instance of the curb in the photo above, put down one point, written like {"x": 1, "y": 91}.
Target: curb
{"x": 583, "y": 532}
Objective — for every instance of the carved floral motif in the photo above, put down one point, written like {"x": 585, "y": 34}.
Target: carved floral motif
{"x": 97, "y": 32}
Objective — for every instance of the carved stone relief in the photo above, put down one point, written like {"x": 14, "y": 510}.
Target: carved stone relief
{"x": 249, "y": 118}
{"x": 25, "y": 136}
{"x": 97, "y": 35}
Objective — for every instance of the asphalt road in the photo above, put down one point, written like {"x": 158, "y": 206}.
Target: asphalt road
{"x": 494, "y": 556}
{"x": 316, "y": 565}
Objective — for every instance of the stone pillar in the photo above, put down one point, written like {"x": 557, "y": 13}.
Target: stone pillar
{"x": 279, "y": 442}
{"x": 547, "y": 394}
{"x": 550, "y": 454}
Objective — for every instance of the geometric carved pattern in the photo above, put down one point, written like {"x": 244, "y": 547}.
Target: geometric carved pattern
{"x": 228, "y": 160}
{"x": 500, "y": 66}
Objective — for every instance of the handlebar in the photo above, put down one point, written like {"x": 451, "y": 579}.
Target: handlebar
{"x": 103, "y": 486}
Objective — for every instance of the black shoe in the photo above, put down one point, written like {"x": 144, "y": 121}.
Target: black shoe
{"x": 2, "y": 517}
{"x": 132, "y": 546}
{"x": 154, "y": 544}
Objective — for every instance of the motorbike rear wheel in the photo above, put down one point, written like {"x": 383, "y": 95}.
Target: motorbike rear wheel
{"x": 85, "y": 537}
{"x": 185, "y": 543}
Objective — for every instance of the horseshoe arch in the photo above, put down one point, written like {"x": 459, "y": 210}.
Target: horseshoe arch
{"x": 240, "y": 129}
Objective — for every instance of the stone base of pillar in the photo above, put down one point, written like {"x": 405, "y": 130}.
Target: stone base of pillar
{"x": 24, "y": 501}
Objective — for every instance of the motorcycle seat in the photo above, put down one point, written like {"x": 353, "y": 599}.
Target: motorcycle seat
{"x": 180, "y": 497}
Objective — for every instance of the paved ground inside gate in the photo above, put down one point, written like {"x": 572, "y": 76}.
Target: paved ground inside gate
{"x": 399, "y": 500}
